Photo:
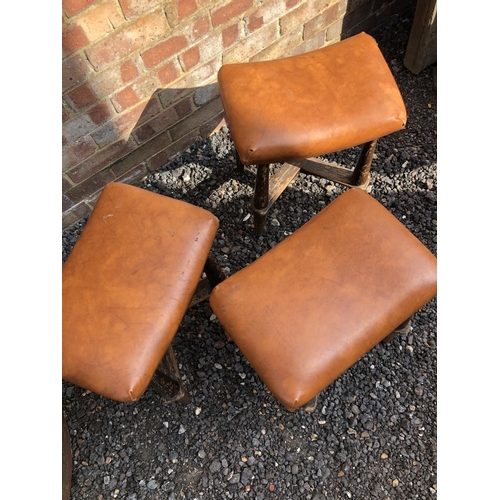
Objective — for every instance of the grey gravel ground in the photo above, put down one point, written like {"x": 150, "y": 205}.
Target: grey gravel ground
{"x": 373, "y": 435}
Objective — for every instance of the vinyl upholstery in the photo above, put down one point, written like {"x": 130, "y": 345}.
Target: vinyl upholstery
{"x": 311, "y": 104}
{"x": 310, "y": 307}
{"x": 126, "y": 286}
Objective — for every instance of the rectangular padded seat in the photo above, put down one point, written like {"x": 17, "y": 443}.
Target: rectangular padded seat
{"x": 126, "y": 286}
{"x": 314, "y": 304}
{"x": 311, "y": 104}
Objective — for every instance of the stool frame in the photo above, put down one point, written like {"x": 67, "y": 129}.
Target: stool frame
{"x": 167, "y": 380}
{"x": 268, "y": 189}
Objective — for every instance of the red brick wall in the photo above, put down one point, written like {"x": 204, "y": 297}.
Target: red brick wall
{"x": 139, "y": 76}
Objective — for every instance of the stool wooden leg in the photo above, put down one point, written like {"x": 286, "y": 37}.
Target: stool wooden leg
{"x": 239, "y": 164}
{"x": 67, "y": 465}
{"x": 403, "y": 329}
{"x": 310, "y": 406}
{"x": 214, "y": 273}
{"x": 260, "y": 198}
{"x": 361, "y": 172}
{"x": 167, "y": 380}
{"x": 205, "y": 286}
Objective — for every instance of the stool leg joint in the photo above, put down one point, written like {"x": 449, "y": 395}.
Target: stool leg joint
{"x": 310, "y": 406}
{"x": 403, "y": 329}
{"x": 167, "y": 380}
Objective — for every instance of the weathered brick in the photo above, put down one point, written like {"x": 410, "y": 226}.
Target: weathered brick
{"x": 91, "y": 185}
{"x": 281, "y": 46}
{"x": 168, "y": 97}
{"x": 78, "y": 127}
{"x": 230, "y": 35}
{"x": 153, "y": 107}
{"x": 142, "y": 153}
{"x": 205, "y": 3}
{"x": 153, "y": 127}
{"x": 315, "y": 42}
{"x": 211, "y": 46}
{"x": 334, "y": 31}
{"x": 177, "y": 10}
{"x": 212, "y": 125}
{"x": 145, "y": 87}
{"x": 101, "y": 20}
{"x": 81, "y": 97}
{"x": 264, "y": 14}
{"x": 252, "y": 44}
{"x": 66, "y": 184}
{"x": 195, "y": 120}
{"x": 158, "y": 160}
{"x": 163, "y": 50}
{"x": 164, "y": 155}
{"x": 292, "y": 3}
{"x": 74, "y": 71}
{"x": 124, "y": 99}
{"x": 200, "y": 27}
{"x": 73, "y": 38}
{"x": 100, "y": 112}
{"x": 132, "y": 37}
{"x": 66, "y": 113}
{"x": 184, "y": 108}
{"x": 73, "y": 7}
{"x": 66, "y": 203}
{"x": 120, "y": 128}
{"x": 134, "y": 175}
{"x": 190, "y": 58}
{"x": 74, "y": 214}
{"x": 92, "y": 199}
{"x": 114, "y": 77}
{"x": 229, "y": 11}
{"x": 342, "y": 8}
{"x": 302, "y": 13}
{"x": 107, "y": 134}
{"x": 77, "y": 151}
{"x": 206, "y": 93}
{"x": 294, "y": 18}
{"x": 167, "y": 73}
{"x": 185, "y": 8}
{"x": 135, "y": 8}
{"x": 137, "y": 91}
{"x": 98, "y": 161}
{"x": 128, "y": 71}
{"x": 200, "y": 75}
{"x": 321, "y": 21}
{"x": 254, "y": 22}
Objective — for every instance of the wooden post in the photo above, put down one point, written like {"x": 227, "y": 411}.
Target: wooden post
{"x": 67, "y": 464}
{"x": 421, "y": 50}
{"x": 361, "y": 173}
{"x": 261, "y": 198}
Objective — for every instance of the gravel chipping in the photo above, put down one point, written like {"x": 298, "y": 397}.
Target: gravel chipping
{"x": 373, "y": 435}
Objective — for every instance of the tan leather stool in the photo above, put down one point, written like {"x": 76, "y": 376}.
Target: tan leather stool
{"x": 314, "y": 304}
{"x": 127, "y": 284}
{"x": 291, "y": 109}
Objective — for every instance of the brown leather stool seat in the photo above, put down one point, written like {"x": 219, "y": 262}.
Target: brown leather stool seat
{"x": 314, "y": 304}
{"x": 126, "y": 287}
{"x": 290, "y": 109}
